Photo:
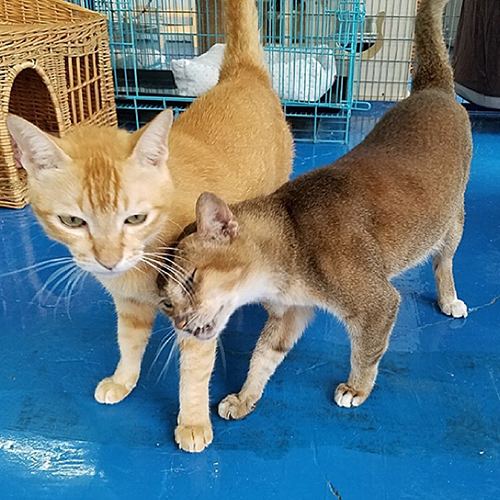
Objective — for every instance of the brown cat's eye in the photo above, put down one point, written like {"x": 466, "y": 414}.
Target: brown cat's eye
{"x": 166, "y": 304}
{"x": 72, "y": 221}
{"x": 136, "y": 219}
{"x": 190, "y": 281}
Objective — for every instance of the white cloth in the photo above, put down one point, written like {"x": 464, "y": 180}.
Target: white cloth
{"x": 296, "y": 76}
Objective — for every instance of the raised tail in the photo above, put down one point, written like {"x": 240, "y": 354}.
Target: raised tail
{"x": 433, "y": 67}
{"x": 243, "y": 46}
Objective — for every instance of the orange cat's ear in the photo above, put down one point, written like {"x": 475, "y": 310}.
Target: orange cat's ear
{"x": 214, "y": 219}
{"x": 152, "y": 147}
{"x": 33, "y": 149}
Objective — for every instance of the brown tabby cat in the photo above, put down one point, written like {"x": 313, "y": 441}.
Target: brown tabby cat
{"x": 334, "y": 237}
{"x": 113, "y": 198}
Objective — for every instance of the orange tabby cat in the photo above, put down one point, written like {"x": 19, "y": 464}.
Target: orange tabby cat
{"x": 113, "y": 198}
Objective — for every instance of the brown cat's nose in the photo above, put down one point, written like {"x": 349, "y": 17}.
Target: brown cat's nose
{"x": 180, "y": 323}
{"x": 109, "y": 264}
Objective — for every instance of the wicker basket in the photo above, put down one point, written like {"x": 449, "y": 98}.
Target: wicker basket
{"x": 55, "y": 72}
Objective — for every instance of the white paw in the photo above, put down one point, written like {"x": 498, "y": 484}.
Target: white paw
{"x": 457, "y": 309}
{"x": 109, "y": 392}
{"x": 348, "y": 397}
{"x": 232, "y": 407}
{"x": 194, "y": 438}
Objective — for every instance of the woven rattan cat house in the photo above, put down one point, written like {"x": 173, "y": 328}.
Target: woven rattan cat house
{"x": 55, "y": 72}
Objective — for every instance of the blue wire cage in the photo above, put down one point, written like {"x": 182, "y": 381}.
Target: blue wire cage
{"x": 167, "y": 52}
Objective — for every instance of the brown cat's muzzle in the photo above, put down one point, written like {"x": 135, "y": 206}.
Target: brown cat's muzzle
{"x": 204, "y": 332}
{"x": 193, "y": 323}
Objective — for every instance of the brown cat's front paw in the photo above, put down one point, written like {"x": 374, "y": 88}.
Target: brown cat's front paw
{"x": 232, "y": 407}
{"x": 109, "y": 392}
{"x": 194, "y": 438}
{"x": 456, "y": 309}
{"x": 348, "y": 397}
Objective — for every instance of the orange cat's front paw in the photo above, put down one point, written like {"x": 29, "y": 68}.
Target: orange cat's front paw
{"x": 194, "y": 438}
{"x": 109, "y": 392}
{"x": 234, "y": 407}
{"x": 349, "y": 397}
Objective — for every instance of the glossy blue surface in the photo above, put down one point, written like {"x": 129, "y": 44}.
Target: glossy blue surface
{"x": 430, "y": 430}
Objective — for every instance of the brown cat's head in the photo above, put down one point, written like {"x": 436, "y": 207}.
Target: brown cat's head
{"x": 101, "y": 191}
{"x": 214, "y": 270}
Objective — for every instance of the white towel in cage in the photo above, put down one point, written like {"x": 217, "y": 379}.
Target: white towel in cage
{"x": 296, "y": 75}
{"x": 195, "y": 76}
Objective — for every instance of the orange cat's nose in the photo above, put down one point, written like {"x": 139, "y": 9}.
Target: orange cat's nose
{"x": 109, "y": 264}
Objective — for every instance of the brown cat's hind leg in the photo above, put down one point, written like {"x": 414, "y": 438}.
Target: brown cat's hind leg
{"x": 443, "y": 272}
{"x": 369, "y": 325}
{"x": 282, "y": 330}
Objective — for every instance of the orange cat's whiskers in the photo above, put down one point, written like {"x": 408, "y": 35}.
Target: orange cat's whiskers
{"x": 52, "y": 278}
{"x": 39, "y": 266}
{"x": 66, "y": 277}
{"x": 73, "y": 277}
{"x": 167, "y": 274}
{"x": 168, "y": 262}
{"x": 175, "y": 224}
{"x": 78, "y": 278}
{"x": 167, "y": 269}
{"x": 176, "y": 251}
{"x": 178, "y": 267}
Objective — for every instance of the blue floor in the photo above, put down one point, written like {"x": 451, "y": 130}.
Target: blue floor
{"x": 430, "y": 430}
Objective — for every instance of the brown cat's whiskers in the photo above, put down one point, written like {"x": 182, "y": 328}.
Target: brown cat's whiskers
{"x": 222, "y": 353}
{"x": 168, "y": 338}
{"x": 169, "y": 359}
{"x": 193, "y": 318}
{"x": 171, "y": 335}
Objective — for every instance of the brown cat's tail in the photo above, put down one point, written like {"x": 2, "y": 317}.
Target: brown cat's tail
{"x": 433, "y": 66}
{"x": 243, "y": 46}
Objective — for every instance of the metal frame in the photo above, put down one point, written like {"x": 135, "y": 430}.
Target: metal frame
{"x": 145, "y": 35}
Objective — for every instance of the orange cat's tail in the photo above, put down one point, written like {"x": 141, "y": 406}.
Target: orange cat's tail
{"x": 243, "y": 46}
{"x": 433, "y": 65}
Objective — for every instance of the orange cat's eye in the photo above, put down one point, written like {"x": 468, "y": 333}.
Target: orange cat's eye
{"x": 72, "y": 221}
{"x": 136, "y": 219}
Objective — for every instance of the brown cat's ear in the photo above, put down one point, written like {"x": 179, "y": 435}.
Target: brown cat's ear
{"x": 33, "y": 149}
{"x": 152, "y": 147}
{"x": 214, "y": 219}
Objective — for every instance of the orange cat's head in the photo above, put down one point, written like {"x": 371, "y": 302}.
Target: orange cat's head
{"x": 214, "y": 270}
{"x": 101, "y": 191}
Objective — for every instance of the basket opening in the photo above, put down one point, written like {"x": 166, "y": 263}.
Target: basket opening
{"x": 30, "y": 99}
